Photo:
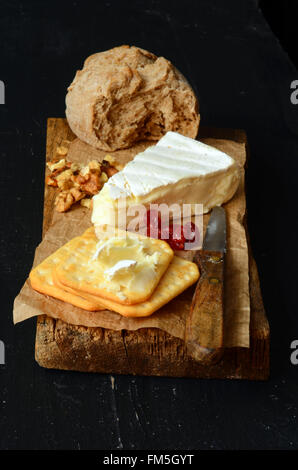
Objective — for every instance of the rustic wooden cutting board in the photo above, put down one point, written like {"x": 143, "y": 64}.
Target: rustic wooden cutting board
{"x": 147, "y": 351}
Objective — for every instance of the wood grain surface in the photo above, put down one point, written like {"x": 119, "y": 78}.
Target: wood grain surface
{"x": 148, "y": 351}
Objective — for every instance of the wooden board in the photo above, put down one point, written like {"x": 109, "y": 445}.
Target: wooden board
{"x": 148, "y": 351}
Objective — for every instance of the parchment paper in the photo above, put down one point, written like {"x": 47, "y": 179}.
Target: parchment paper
{"x": 172, "y": 316}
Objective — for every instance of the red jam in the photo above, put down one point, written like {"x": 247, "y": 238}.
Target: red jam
{"x": 175, "y": 235}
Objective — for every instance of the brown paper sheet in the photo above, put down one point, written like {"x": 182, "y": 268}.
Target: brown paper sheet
{"x": 172, "y": 316}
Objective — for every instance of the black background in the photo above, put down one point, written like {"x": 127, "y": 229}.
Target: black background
{"x": 242, "y": 77}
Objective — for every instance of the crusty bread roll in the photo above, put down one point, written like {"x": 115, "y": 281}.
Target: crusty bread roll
{"x": 127, "y": 94}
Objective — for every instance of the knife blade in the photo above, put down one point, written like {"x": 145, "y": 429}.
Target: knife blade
{"x": 216, "y": 232}
{"x": 204, "y": 324}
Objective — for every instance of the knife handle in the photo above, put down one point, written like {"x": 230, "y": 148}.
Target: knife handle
{"x": 204, "y": 324}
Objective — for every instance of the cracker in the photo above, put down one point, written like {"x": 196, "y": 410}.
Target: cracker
{"x": 180, "y": 275}
{"x": 85, "y": 269}
{"x": 94, "y": 302}
{"x": 42, "y": 281}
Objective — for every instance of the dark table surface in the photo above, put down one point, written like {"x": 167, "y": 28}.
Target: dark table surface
{"x": 242, "y": 78}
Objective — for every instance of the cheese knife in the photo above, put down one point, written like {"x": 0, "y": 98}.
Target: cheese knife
{"x": 204, "y": 324}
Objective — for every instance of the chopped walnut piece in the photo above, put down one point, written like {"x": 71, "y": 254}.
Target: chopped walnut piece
{"x": 57, "y": 172}
{"x": 56, "y": 165}
{"x": 75, "y": 167}
{"x": 103, "y": 178}
{"x": 51, "y": 181}
{"x": 77, "y": 194}
{"x": 64, "y": 201}
{"x": 111, "y": 160}
{"x": 79, "y": 179}
{"x": 94, "y": 165}
{"x": 86, "y": 202}
{"x": 64, "y": 179}
{"x": 85, "y": 170}
{"x": 92, "y": 184}
{"x": 110, "y": 171}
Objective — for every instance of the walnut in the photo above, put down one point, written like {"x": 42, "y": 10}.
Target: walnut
{"x": 86, "y": 202}
{"x": 51, "y": 181}
{"x": 80, "y": 179}
{"x": 92, "y": 184}
{"x": 76, "y": 194}
{"x": 94, "y": 166}
{"x": 75, "y": 167}
{"x": 64, "y": 179}
{"x": 113, "y": 162}
{"x": 103, "y": 178}
{"x": 64, "y": 201}
{"x": 110, "y": 171}
{"x": 60, "y": 165}
{"x": 76, "y": 181}
{"x": 85, "y": 170}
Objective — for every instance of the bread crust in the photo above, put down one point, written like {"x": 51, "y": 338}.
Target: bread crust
{"x": 125, "y": 95}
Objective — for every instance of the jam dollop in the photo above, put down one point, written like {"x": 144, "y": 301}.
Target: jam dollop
{"x": 177, "y": 236}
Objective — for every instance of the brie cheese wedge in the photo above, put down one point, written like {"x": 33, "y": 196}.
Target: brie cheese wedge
{"x": 177, "y": 170}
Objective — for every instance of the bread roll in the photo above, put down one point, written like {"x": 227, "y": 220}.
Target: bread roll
{"x": 127, "y": 94}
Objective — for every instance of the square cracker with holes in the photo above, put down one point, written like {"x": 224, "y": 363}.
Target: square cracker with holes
{"x": 125, "y": 268}
{"x": 180, "y": 275}
{"x": 41, "y": 278}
